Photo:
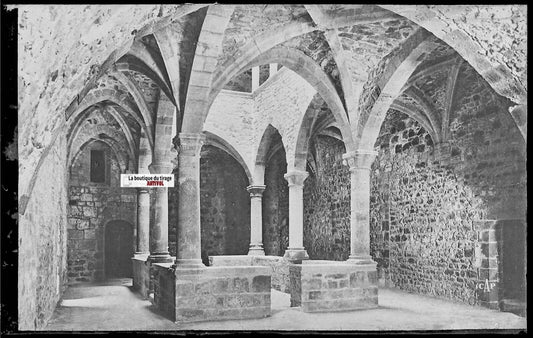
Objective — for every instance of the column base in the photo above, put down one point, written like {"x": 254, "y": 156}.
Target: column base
{"x": 296, "y": 254}
{"x": 256, "y": 250}
{"x": 188, "y": 263}
{"x": 360, "y": 259}
{"x": 160, "y": 258}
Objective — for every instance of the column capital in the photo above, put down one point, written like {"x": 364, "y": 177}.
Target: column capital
{"x": 256, "y": 190}
{"x": 161, "y": 168}
{"x": 359, "y": 159}
{"x": 189, "y": 144}
{"x": 296, "y": 177}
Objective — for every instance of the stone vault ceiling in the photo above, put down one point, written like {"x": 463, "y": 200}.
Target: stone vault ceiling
{"x": 65, "y": 52}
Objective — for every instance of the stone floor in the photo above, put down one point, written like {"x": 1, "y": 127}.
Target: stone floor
{"x": 114, "y": 306}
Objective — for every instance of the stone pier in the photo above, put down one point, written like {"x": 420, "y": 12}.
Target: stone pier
{"x": 279, "y": 267}
{"x": 212, "y": 293}
{"x": 327, "y": 286}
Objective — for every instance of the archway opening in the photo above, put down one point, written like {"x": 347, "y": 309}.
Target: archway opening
{"x": 224, "y": 205}
{"x": 275, "y": 198}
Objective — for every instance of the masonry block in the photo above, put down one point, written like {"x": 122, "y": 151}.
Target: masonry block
{"x": 141, "y": 274}
{"x": 212, "y": 293}
{"x": 278, "y": 265}
{"x": 323, "y": 286}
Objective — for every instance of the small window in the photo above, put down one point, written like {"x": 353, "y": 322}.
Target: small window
{"x": 97, "y": 166}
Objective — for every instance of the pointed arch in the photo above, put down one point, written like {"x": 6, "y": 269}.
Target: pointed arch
{"x": 122, "y": 101}
{"x": 392, "y": 82}
{"x": 122, "y": 163}
{"x": 263, "y": 152}
{"x": 75, "y": 130}
{"x": 305, "y": 67}
{"x": 219, "y": 142}
{"x": 305, "y": 130}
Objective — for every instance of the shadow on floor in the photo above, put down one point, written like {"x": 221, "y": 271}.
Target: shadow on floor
{"x": 115, "y": 306}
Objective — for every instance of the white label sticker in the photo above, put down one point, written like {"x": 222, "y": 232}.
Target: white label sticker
{"x": 147, "y": 180}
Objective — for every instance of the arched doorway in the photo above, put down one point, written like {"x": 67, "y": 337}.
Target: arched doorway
{"x": 118, "y": 249}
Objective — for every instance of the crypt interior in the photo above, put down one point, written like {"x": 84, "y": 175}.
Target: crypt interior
{"x": 331, "y": 156}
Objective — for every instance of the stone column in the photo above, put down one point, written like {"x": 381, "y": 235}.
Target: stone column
{"x": 188, "y": 245}
{"x": 143, "y": 221}
{"x": 296, "y": 251}
{"x": 359, "y": 163}
{"x": 255, "y": 78}
{"x": 159, "y": 227}
{"x": 273, "y": 68}
{"x": 256, "y": 220}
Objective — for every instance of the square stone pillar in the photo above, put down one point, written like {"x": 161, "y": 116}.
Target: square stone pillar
{"x": 256, "y": 220}
{"x": 296, "y": 252}
{"x": 359, "y": 163}
{"x": 188, "y": 245}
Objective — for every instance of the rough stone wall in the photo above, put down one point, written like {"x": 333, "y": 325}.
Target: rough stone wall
{"x": 327, "y": 202}
{"x": 276, "y": 206}
{"x": 42, "y": 265}
{"x": 90, "y": 207}
{"x": 426, "y": 199}
{"x": 315, "y": 45}
{"x": 488, "y": 148}
{"x": 224, "y": 206}
{"x": 248, "y": 21}
{"x": 370, "y": 47}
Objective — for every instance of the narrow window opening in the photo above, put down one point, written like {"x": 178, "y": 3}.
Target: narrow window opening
{"x": 97, "y": 166}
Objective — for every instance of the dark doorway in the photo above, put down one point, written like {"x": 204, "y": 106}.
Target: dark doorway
{"x": 512, "y": 251}
{"x": 118, "y": 249}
